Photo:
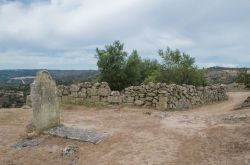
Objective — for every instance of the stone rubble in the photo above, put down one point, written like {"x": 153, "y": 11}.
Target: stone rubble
{"x": 69, "y": 150}
{"x": 245, "y": 104}
{"x": 28, "y": 143}
{"x": 233, "y": 118}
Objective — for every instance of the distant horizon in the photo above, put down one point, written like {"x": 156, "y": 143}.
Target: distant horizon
{"x": 97, "y": 69}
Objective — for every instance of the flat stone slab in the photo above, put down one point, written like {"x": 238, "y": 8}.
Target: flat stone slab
{"x": 78, "y": 134}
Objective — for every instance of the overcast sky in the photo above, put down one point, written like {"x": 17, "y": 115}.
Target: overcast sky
{"x": 63, "y": 34}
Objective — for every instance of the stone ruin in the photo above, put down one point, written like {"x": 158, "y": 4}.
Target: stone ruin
{"x": 79, "y": 93}
{"x": 45, "y": 96}
{"x": 44, "y": 102}
{"x": 160, "y": 95}
{"x": 11, "y": 99}
{"x": 163, "y": 96}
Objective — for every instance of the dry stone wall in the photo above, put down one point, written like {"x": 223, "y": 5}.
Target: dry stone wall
{"x": 82, "y": 92}
{"x": 163, "y": 96}
{"x": 160, "y": 95}
{"x": 9, "y": 98}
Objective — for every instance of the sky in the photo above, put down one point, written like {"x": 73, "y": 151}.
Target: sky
{"x": 63, "y": 34}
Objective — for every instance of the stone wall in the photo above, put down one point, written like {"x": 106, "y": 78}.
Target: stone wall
{"x": 9, "y": 98}
{"x": 80, "y": 93}
{"x": 163, "y": 96}
{"x": 160, "y": 95}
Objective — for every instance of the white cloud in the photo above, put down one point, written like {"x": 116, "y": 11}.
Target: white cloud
{"x": 35, "y": 60}
{"x": 212, "y": 31}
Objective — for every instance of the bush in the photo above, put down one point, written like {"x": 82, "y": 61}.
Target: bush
{"x": 178, "y": 68}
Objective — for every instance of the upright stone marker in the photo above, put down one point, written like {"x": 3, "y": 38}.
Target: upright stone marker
{"x": 44, "y": 102}
{"x": 162, "y": 104}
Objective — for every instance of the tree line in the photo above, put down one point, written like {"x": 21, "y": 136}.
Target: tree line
{"x": 121, "y": 69}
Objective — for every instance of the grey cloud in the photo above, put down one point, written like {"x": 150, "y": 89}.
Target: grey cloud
{"x": 213, "y": 31}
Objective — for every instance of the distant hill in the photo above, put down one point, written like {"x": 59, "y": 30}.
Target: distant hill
{"x": 26, "y": 76}
{"x": 17, "y": 77}
{"x": 219, "y": 68}
{"x": 222, "y": 75}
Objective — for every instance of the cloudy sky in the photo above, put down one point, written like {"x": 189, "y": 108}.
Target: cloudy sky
{"x": 63, "y": 34}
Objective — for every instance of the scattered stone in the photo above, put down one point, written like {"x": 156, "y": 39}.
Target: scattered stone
{"x": 74, "y": 161}
{"x": 31, "y": 134}
{"x": 44, "y": 102}
{"x": 245, "y": 104}
{"x": 30, "y": 127}
{"x": 162, "y": 114}
{"x": 147, "y": 113}
{"x": 26, "y": 107}
{"x": 235, "y": 117}
{"x": 78, "y": 134}
{"x": 69, "y": 150}
{"x": 28, "y": 143}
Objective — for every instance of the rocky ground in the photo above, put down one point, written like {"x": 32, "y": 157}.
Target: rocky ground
{"x": 211, "y": 134}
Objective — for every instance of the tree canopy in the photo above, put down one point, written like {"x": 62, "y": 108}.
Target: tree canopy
{"x": 121, "y": 70}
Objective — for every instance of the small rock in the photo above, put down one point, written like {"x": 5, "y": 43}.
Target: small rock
{"x": 147, "y": 113}
{"x": 26, "y": 107}
{"x": 30, "y": 128}
{"x": 74, "y": 161}
{"x": 32, "y": 134}
{"x": 69, "y": 150}
{"x": 162, "y": 115}
{"x": 139, "y": 102}
{"x": 28, "y": 143}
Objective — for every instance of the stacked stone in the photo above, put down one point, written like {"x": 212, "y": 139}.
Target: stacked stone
{"x": 173, "y": 96}
{"x": 79, "y": 93}
{"x": 160, "y": 95}
{"x": 11, "y": 99}
{"x": 115, "y": 97}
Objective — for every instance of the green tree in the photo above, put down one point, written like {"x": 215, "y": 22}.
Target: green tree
{"x": 178, "y": 68}
{"x": 111, "y": 64}
{"x": 148, "y": 67}
{"x": 133, "y": 69}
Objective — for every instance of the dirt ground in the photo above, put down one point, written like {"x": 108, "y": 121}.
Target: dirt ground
{"x": 208, "y": 135}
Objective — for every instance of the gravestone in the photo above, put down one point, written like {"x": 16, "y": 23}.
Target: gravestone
{"x": 44, "y": 102}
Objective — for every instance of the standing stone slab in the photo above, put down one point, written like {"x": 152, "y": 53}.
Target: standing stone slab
{"x": 44, "y": 102}
{"x": 162, "y": 104}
